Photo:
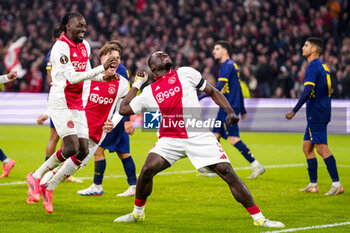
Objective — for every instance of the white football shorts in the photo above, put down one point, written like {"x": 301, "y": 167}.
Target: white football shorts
{"x": 69, "y": 122}
{"x": 202, "y": 150}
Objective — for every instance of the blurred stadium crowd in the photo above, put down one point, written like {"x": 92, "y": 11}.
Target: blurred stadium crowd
{"x": 267, "y": 37}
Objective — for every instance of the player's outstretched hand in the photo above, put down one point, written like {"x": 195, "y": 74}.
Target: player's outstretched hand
{"x": 41, "y": 119}
{"x": 232, "y": 119}
{"x": 110, "y": 76}
{"x": 12, "y": 76}
{"x": 243, "y": 116}
{"x": 108, "y": 127}
{"x": 111, "y": 62}
{"x": 140, "y": 78}
{"x": 129, "y": 128}
{"x": 290, "y": 115}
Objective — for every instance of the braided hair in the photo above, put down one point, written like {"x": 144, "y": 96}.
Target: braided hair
{"x": 66, "y": 18}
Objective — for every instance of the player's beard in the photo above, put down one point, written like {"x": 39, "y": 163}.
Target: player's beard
{"x": 168, "y": 65}
{"x": 79, "y": 40}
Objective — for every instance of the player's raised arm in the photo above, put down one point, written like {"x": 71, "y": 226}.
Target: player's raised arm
{"x": 93, "y": 74}
{"x": 8, "y": 77}
{"x": 125, "y": 108}
{"x": 220, "y": 100}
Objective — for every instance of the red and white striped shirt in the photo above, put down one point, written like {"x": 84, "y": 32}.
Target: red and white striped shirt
{"x": 102, "y": 104}
{"x": 175, "y": 95}
{"x": 70, "y": 67}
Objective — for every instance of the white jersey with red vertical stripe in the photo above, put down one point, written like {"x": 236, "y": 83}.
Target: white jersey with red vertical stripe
{"x": 102, "y": 103}
{"x": 70, "y": 67}
{"x": 175, "y": 95}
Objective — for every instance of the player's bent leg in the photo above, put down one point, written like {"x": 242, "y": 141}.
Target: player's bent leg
{"x": 82, "y": 152}
{"x": 71, "y": 145}
{"x": 242, "y": 194}
{"x": 48, "y": 175}
{"x": 238, "y": 189}
{"x": 70, "y": 148}
{"x": 83, "y": 149}
{"x": 154, "y": 164}
{"x": 81, "y": 155}
{"x": 70, "y": 166}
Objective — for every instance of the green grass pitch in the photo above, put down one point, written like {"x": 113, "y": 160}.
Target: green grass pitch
{"x": 180, "y": 202}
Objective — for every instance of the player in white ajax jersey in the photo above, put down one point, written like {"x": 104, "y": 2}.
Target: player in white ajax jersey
{"x": 70, "y": 67}
{"x": 101, "y": 103}
{"x": 174, "y": 93}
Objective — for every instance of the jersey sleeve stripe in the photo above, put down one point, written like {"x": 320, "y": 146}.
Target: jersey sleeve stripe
{"x": 309, "y": 83}
{"x": 223, "y": 79}
{"x": 200, "y": 84}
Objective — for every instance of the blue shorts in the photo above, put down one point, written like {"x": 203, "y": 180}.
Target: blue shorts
{"x": 225, "y": 130}
{"x": 52, "y": 126}
{"x": 117, "y": 140}
{"x": 316, "y": 132}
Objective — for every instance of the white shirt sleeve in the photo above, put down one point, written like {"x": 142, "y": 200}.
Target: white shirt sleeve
{"x": 122, "y": 91}
{"x": 60, "y": 56}
{"x": 193, "y": 77}
{"x": 4, "y": 79}
{"x": 124, "y": 88}
{"x": 142, "y": 101}
{"x": 116, "y": 118}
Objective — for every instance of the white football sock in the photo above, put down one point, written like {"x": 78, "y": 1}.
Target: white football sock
{"x": 68, "y": 168}
{"x": 48, "y": 175}
{"x": 138, "y": 210}
{"x": 98, "y": 185}
{"x": 257, "y": 217}
{"x": 5, "y": 161}
{"x": 49, "y": 164}
{"x": 255, "y": 163}
{"x": 336, "y": 184}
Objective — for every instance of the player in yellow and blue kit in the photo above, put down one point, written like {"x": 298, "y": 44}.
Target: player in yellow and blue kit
{"x": 317, "y": 95}
{"x": 229, "y": 85}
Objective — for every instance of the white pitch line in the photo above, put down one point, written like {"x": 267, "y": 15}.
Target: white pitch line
{"x": 188, "y": 171}
{"x": 309, "y": 228}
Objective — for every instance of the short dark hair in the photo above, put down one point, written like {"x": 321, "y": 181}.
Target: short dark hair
{"x": 66, "y": 18}
{"x": 225, "y": 44}
{"x": 316, "y": 41}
